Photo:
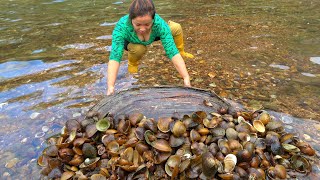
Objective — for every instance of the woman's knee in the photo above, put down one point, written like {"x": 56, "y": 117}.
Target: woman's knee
{"x": 137, "y": 49}
{"x": 175, "y": 28}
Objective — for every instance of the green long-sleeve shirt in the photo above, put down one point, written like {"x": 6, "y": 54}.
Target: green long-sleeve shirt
{"x": 124, "y": 31}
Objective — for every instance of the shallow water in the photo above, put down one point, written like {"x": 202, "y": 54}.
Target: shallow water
{"x": 53, "y": 57}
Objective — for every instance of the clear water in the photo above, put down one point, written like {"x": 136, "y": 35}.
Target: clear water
{"x": 53, "y": 61}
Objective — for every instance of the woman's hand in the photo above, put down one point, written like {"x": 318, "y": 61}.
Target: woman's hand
{"x": 179, "y": 64}
{"x": 113, "y": 68}
{"x": 110, "y": 90}
{"x": 186, "y": 82}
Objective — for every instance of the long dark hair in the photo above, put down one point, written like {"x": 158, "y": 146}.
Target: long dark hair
{"x": 141, "y": 8}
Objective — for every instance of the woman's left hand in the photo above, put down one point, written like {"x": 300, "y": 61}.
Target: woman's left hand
{"x": 186, "y": 82}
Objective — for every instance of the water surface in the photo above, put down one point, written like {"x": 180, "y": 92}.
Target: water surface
{"x": 54, "y": 54}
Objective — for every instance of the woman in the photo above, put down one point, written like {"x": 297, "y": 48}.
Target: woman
{"x": 139, "y": 28}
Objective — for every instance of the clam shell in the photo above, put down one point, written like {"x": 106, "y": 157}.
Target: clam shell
{"x": 161, "y": 145}
{"x": 230, "y": 162}
{"x": 178, "y": 129}
{"x": 103, "y": 124}
{"x": 265, "y": 117}
{"x": 259, "y": 126}
{"x": 164, "y": 124}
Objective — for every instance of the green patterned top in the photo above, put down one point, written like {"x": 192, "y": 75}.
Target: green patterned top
{"x": 124, "y": 31}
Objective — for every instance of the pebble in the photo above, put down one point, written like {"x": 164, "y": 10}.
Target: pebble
{"x": 3, "y": 104}
{"x": 24, "y": 140}
{"x": 45, "y": 128}
{"x": 39, "y": 135}
{"x": 51, "y": 119}
{"x": 76, "y": 115}
{"x": 5, "y": 174}
{"x": 286, "y": 119}
{"x": 213, "y": 85}
{"x": 34, "y": 115}
{"x": 307, "y": 137}
{"x": 10, "y": 164}
{"x": 317, "y": 126}
{"x": 273, "y": 96}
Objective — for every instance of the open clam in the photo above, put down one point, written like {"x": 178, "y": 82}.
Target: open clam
{"x": 172, "y": 165}
{"x": 259, "y": 126}
{"x": 229, "y": 162}
{"x": 103, "y": 124}
{"x": 164, "y": 124}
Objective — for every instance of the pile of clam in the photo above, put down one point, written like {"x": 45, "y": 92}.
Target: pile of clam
{"x": 245, "y": 145}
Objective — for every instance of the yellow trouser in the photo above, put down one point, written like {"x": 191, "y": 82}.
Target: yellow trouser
{"x": 136, "y": 51}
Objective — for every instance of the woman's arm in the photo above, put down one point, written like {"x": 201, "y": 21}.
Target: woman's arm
{"x": 179, "y": 64}
{"x": 113, "y": 68}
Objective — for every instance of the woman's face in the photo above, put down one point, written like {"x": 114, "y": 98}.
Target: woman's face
{"x": 142, "y": 24}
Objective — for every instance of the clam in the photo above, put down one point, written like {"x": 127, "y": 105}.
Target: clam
{"x": 218, "y": 132}
{"x": 176, "y": 141}
{"x": 72, "y": 125}
{"x": 260, "y": 143}
{"x": 67, "y": 174}
{"x": 139, "y": 132}
{"x": 286, "y": 138}
{"x": 127, "y": 154}
{"x": 149, "y": 137}
{"x": 172, "y": 164}
{"x": 300, "y": 164}
{"x": 164, "y": 124}
{"x": 103, "y": 124}
{"x": 194, "y": 135}
{"x": 113, "y": 147}
{"x": 209, "y": 165}
{"x": 188, "y": 122}
{"x": 255, "y": 162}
{"x": 89, "y": 163}
{"x": 141, "y": 147}
{"x": 135, "y": 118}
{"x": 243, "y": 136}
{"x": 290, "y": 148}
{"x": 98, "y": 177}
{"x": 265, "y": 117}
{"x": 51, "y": 151}
{"x": 213, "y": 122}
{"x": 244, "y": 156}
{"x": 259, "y": 126}
{"x": 150, "y": 124}
{"x": 274, "y": 126}
{"x": 276, "y": 148}
{"x": 79, "y": 141}
{"x": 91, "y": 130}
{"x": 305, "y": 148}
{"x": 229, "y": 162}
{"x": 277, "y": 172}
{"x": 66, "y": 154}
{"x": 124, "y": 126}
{"x": 178, "y": 129}
{"x": 161, "y": 145}
{"x": 89, "y": 151}
{"x": 198, "y": 116}
{"x": 77, "y": 160}
{"x": 231, "y": 134}
{"x": 234, "y": 145}
{"x": 161, "y": 157}
{"x": 203, "y": 131}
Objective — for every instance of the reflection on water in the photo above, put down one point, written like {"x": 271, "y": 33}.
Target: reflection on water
{"x": 54, "y": 54}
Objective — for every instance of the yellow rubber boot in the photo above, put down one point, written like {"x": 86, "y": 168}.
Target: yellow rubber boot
{"x": 177, "y": 34}
{"x": 135, "y": 53}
